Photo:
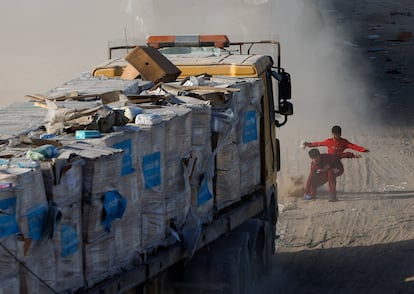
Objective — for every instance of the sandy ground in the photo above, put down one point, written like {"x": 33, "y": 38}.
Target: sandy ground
{"x": 364, "y": 243}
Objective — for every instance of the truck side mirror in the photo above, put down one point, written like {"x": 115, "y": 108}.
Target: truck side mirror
{"x": 285, "y": 108}
{"x": 285, "y": 88}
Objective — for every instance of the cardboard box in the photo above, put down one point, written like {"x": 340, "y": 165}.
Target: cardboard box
{"x": 152, "y": 65}
{"x": 130, "y": 72}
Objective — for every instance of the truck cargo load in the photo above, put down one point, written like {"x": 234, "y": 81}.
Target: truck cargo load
{"x": 148, "y": 176}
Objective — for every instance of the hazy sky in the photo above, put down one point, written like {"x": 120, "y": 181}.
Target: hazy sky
{"x": 47, "y": 42}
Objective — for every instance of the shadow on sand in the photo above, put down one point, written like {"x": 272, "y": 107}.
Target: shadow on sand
{"x": 383, "y": 268}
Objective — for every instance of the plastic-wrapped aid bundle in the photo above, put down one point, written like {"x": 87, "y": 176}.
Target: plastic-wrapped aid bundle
{"x": 42, "y": 152}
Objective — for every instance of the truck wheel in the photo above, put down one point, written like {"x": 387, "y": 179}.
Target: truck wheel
{"x": 270, "y": 230}
{"x": 238, "y": 241}
{"x": 257, "y": 246}
{"x": 222, "y": 267}
{"x": 270, "y": 217}
{"x": 212, "y": 272}
{"x": 270, "y": 245}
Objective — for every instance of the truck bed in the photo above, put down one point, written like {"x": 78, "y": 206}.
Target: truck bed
{"x": 137, "y": 199}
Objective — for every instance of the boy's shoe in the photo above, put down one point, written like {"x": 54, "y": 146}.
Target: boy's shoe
{"x": 307, "y": 197}
{"x": 333, "y": 199}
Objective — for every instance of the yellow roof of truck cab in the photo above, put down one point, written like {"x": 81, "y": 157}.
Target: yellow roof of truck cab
{"x": 226, "y": 65}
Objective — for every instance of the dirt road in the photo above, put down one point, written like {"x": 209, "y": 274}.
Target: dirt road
{"x": 364, "y": 243}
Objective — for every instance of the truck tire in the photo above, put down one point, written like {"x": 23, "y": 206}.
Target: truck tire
{"x": 238, "y": 241}
{"x": 270, "y": 216}
{"x": 222, "y": 267}
{"x": 270, "y": 229}
{"x": 258, "y": 250}
{"x": 270, "y": 245}
{"x": 212, "y": 272}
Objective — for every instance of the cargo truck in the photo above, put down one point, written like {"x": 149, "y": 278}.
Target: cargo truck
{"x": 154, "y": 173}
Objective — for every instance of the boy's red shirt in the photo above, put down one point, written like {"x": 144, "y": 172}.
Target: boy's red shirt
{"x": 337, "y": 146}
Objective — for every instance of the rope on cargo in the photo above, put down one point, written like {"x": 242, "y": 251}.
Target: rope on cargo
{"x": 27, "y": 268}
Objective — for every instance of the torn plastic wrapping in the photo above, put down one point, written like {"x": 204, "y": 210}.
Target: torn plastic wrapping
{"x": 177, "y": 143}
{"x": 31, "y": 202}
{"x": 67, "y": 242}
{"x": 201, "y": 168}
{"x": 8, "y": 231}
{"x": 237, "y": 141}
{"x": 114, "y": 205}
{"x": 128, "y": 228}
{"x": 89, "y": 85}
{"x": 172, "y": 197}
{"x": 151, "y": 184}
{"x": 148, "y": 119}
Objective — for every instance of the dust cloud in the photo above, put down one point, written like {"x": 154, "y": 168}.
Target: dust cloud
{"x": 329, "y": 86}
{"x": 51, "y": 41}
{"x": 316, "y": 51}
{"x": 45, "y": 43}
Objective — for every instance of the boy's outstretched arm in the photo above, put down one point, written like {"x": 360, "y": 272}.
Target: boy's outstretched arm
{"x": 349, "y": 155}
